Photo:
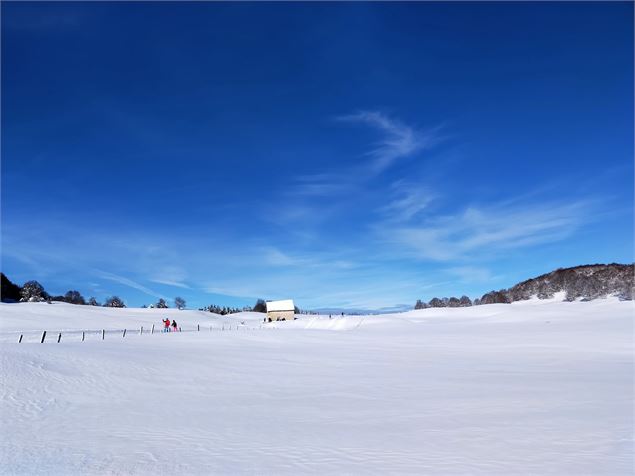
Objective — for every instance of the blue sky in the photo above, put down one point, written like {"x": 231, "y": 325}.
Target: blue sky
{"x": 355, "y": 155}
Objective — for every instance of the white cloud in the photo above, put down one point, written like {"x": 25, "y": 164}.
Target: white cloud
{"x": 408, "y": 203}
{"x": 322, "y": 184}
{"x": 471, "y": 274}
{"x": 167, "y": 282}
{"x": 274, "y": 257}
{"x": 128, "y": 282}
{"x": 488, "y": 230}
{"x": 170, "y": 276}
{"x": 399, "y": 139}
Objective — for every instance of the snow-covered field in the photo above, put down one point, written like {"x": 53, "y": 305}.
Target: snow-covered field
{"x": 537, "y": 387}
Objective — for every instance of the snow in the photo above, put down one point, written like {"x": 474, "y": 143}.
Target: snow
{"x": 532, "y": 387}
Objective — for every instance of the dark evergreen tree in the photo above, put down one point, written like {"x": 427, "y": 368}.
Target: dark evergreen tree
{"x": 420, "y": 304}
{"x": 465, "y": 301}
{"x": 261, "y": 306}
{"x": 92, "y": 302}
{"x": 74, "y": 297}
{"x": 33, "y": 291}
{"x": 161, "y": 304}
{"x": 114, "y": 301}
{"x": 10, "y": 292}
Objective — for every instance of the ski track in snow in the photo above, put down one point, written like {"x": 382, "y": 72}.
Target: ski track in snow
{"x": 529, "y": 388}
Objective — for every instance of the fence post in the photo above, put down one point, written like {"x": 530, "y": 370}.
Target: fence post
{"x": 141, "y": 331}
{"x": 223, "y": 327}
{"x": 124, "y": 333}
{"x": 103, "y": 334}
{"x": 152, "y": 331}
{"x": 20, "y": 341}
{"x": 198, "y": 327}
{"x": 180, "y": 330}
{"x": 83, "y": 336}
{"x": 43, "y": 337}
{"x": 59, "y": 337}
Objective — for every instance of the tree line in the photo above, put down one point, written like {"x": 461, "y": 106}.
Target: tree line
{"x": 33, "y": 291}
{"x": 585, "y": 282}
{"x": 463, "y": 301}
{"x": 260, "y": 306}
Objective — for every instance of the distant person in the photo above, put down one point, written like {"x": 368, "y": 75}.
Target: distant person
{"x": 166, "y": 325}
{"x": 173, "y": 326}
{"x": 330, "y": 317}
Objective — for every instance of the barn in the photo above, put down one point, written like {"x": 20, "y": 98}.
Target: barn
{"x": 280, "y": 310}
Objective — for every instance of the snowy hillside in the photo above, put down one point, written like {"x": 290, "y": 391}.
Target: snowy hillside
{"x": 533, "y": 387}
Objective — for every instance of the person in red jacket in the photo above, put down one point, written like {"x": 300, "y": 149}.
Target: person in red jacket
{"x": 166, "y": 324}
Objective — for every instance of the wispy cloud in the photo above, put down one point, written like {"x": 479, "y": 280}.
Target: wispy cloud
{"x": 319, "y": 290}
{"x": 322, "y": 184}
{"x": 398, "y": 141}
{"x": 170, "y": 276}
{"x": 485, "y": 230}
{"x": 471, "y": 274}
{"x": 167, "y": 282}
{"x": 274, "y": 257}
{"x": 408, "y": 202}
{"x": 128, "y": 282}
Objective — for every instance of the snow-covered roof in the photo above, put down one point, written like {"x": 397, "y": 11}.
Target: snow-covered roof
{"x": 285, "y": 305}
